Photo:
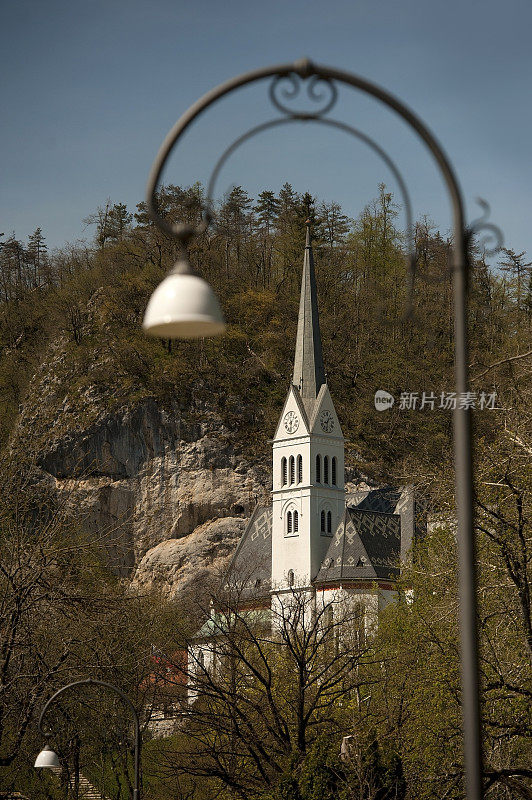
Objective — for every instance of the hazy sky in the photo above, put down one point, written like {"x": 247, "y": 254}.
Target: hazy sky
{"x": 91, "y": 87}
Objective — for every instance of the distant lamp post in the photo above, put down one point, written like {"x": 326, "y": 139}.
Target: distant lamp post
{"x": 48, "y": 759}
{"x": 181, "y": 307}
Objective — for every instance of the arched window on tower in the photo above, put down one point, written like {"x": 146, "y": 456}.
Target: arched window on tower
{"x": 322, "y": 525}
{"x": 290, "y": 577}
{"x": 292, "y": 470}
{"x": 300, "y": 469}
{"x": 296, "y": 521}
{"x": 318, "y": 469}
{"x": 289, "y": 522}
{"x": 326, "y": 469}
{"x": 284, "y": 473}
{"x": 333, "y": 471}
{"x": 329, "y": 522}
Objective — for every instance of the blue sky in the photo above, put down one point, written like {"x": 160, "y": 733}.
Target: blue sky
{"x": 90, "y": 88}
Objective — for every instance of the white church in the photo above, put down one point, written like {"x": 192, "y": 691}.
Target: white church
{"x": 315, "y": 537}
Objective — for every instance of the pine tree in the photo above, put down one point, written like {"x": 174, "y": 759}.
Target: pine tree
{"x": 118, "y": 221}
{"x": 235, "y": 221}
{"x": 12, "y": 277}
{"x": 335, "y": 225}
{"x": 36, "y": 253}
{"x": 517, "y": 269}
{"x": 267, "y": 210}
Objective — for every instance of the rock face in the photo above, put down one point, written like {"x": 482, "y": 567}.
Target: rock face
{"x": 178, "y": 565}
{"x": 147, "y": 476}
{"x": 166, "y": 491}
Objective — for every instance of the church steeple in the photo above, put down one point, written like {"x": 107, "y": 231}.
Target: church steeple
{"x": 308, "y": 455}
{"x": 309, "y": 371}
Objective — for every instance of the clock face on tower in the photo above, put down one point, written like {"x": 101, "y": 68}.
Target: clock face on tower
{"x": 327, "y": 421}
{"x": 291, "y": 422}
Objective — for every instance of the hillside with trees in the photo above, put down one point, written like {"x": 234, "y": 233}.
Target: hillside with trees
{"x": 72, "y": 353}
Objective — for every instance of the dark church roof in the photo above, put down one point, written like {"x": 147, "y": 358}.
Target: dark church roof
{"x": 250, "y": 569}
{"x": 389, "y": 500}
{"x": 384, "y": 499}
{"x": 365, "y": 546}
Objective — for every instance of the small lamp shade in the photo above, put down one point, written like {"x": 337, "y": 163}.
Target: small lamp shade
{"x": 183, "y": 306}
{"x": 47, "y": 759}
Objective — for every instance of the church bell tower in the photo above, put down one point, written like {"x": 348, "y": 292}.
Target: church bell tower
{"x": 308, "y": 455}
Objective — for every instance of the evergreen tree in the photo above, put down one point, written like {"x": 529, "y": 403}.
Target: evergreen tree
{"x": 12, "y": 272}
{"x": 335, "y": 225}
{"x": 517, "y": 268}
{"x": 267, "y": 210}
{"x": 235, "y": 221}
{"x": 118, "y": 222}
{"x": 36, "y": 253}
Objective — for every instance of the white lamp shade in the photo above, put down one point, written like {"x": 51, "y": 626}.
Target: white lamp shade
{"x": 47, "y": 759}
{"x": 183, "y": 306}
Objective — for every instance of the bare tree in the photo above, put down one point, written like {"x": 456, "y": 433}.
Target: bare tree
{"x": 63, "y": 615}
{"x": 265, "y": 684}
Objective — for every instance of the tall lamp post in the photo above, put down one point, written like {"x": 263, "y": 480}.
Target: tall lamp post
{"x": 48, "y": 759}
{"x": 184, "y": 306}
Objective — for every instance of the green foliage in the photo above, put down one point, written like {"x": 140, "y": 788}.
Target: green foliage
{"x": 89, "y": 302}
{"x": 72, "y": 348}
{"x": 319, "y": 774}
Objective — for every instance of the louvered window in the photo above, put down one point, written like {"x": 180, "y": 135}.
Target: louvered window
{"x": 292, "y": 470}
{"x": 322, "y": 526}
{"x": 326, "y": 469}
{"x": 329, "y": 522}
{"x": 333, "y": 471}
{"x": 296, "y": 521}
{"x": 318, "y": 469}
{"x": 284, "y": 477}
{"x": 300, "y": 469}
{"x": 289, "y": 522}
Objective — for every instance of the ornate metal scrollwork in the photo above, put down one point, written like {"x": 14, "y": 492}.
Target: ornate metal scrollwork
{"x": 319, "y": 89}
{"x": 489, "y": 232}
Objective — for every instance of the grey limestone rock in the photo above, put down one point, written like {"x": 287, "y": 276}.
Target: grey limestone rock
{"x": 140, "y": 476}
{"x": 175, "y": 566}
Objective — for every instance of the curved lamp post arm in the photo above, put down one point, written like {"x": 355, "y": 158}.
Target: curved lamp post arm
{"x": 125, "y": 698}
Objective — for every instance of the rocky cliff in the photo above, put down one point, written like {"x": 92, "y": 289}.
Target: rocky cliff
{"x": 167, "y": 491}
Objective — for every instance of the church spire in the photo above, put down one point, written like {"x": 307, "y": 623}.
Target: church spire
{"x": 309, "y": 372}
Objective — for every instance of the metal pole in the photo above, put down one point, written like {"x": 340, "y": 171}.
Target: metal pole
{"x": 471, "y": 718}
{"x": 125, "y": 698}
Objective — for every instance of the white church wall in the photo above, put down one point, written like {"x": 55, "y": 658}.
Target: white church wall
{"x": 344, "y": 602}
{"x": 288, "y": 602}
{"x": 201, "y": 659}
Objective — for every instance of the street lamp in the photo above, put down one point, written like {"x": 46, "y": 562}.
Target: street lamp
{"x": 48, "y": 759}
{"x": 183, "y": 306}
{"x": 168, "y": 304}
